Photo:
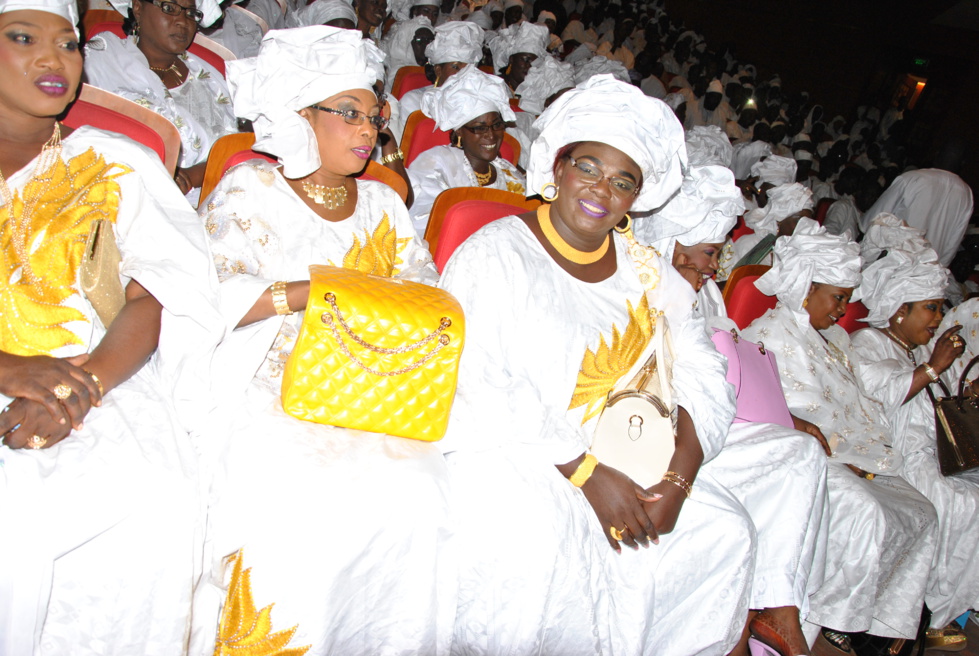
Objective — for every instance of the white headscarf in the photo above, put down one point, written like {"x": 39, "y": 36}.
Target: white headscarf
{"x": 746, "y": 155}
{"x": 401, "y": 9}
{"x": 810, "y": 255}
{"x": 210, "y": 8}
{"x": 460, "y": 41}
{"x": 608, "y": 111}
{"x": 544, "y": 15}
{"x": 585, "y": 70}
{"x": 321, "y": 12}
{"x": 468, "y": 94}
{"x": 783, "y": 201}
{"x": 704, "y": 211}
{"x": 67, "y": 9}
{"x": 888, "y": 232}
{"x": 547, "y": 76}
{"x": 775, "y": 169}
{"x": 707, "y": 145}
{"x": 583, "y": 52}
{"x": 397, "y": 44}
{"x": 523, "y": 37}
{"x": 901, "y": 277}
{"x": 295, "y": 69}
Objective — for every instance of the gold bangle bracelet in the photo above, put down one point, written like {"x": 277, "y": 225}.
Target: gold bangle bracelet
{"x": 931, "y": 372}
{"x": 396, "y": 155}
{"x": 679, "y": 481}
{"x": 279, "y": 300}
{"x": 584, "y": 470}
{"x": 95, "y": 379}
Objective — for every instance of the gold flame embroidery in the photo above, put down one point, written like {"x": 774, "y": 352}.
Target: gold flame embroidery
{"x": 33, "y": 293}
{"x": 379, "y": 254}
{"x": 246, "y": 631}
{"x": 602, "y": 369}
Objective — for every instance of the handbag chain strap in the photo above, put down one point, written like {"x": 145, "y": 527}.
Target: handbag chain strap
{"x": 327, "y": 319}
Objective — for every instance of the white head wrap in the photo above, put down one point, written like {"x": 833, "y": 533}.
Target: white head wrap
{"x": 210, "y": 8}
{"x": 704, "y": 211}
{"x": 746, "y": 155}
{"x": 67, "y": 9}
{"x": 397, "y": 44}
{"x": 401, "y": 9}
{"x": 775, "y": 169}
{"x": 585, "y": 70}
{"x": 810, "y": 255}
{"x": 523, "y": 37}
{"x": 802, "y": 155}
{"x": 581, "y": 53}
{"x": 513, "y": 3}
{"x": 708, "y": 145}
{"x": 481, "y": 18}
{"x": 544, "y": 15}
{"x": 547, "y": 76}
{"x": 456, "y": 41}
{"x": 901, "y": 277}
{"x": 294, "y": 69}
{"x": 321, "y": 12}
{"x": 468, "y": 94}
{"x": 887, "y": 232}
{"x": 608, "y": 111}
{"x": 494, "y": 6}
{"x": 715, "y": 86}
{"x": 783, "y": 201}
{"x": 674, "y": 100}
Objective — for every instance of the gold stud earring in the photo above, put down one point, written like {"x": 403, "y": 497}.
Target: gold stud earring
{"x": 900, "y": 319}
{"x": 805, "y": 301}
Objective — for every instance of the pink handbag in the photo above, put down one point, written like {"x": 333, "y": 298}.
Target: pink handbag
{"x": 753, "y": 372}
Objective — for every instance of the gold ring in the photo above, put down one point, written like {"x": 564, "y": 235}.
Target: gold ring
{"x": 36, "y": 442}
{"x": 61, "y": 392}
{"x": 615, "y": 533}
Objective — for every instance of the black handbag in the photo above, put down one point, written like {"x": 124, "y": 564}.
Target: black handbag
{"x": 957, "y": 428}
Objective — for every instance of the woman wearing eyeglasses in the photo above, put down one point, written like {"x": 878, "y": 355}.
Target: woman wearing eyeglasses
{"x": 340, "y": 529}
{"x": 152, "y": 67}
{"x": 473, "y": 108}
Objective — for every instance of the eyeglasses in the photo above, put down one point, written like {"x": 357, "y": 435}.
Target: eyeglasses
{"x": 588, "y": 172}
{"x": 173, "y": 9}
{"x": 480, "y": 130}
{"x": 355, "y": 117}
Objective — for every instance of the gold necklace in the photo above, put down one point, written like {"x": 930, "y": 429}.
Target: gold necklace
{"x": 331, "y": 197}
{"x": 907, "y": 347}
{"x": 172, "y": 68}
{"x": 20, "y": 226}
{"x": 483, "y": 178}
{"x": 566, "y": 250}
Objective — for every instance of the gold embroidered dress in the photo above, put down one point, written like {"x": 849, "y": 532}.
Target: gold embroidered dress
{"x": 340, "y": 529}
{"x": 535, "y": 571}
{"x": 99, "y": 530}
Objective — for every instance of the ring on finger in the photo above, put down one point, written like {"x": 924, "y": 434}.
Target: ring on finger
{"x": 61, "y": 391}
{"x": 36, "y": 442}
{"x": 616, "y": 533}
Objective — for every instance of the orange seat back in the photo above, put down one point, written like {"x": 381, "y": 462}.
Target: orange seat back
{"x": 421, "y": 134}
{"x": 851, "y": 319}
{"x": 459, "y": 212}
{"x": 408, "y": 78}
{"x": 744, "y": 302}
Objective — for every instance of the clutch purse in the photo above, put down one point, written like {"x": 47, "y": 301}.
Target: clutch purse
{"x": 957, "y": 428}
{"x": 375, "y": 354}
{"x": 99, "y": 272}
{"x": 754, "y": 373}
{"x": 636, "y": 432}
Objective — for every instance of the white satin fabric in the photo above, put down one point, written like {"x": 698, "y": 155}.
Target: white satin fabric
{"x": 535, "y": 571}
{"x": 342, "y": 529}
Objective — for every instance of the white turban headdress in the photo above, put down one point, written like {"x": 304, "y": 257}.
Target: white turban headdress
{"x": 585, "y": 70}
{"x": 901, "y": 277}
{"x": 704, "y": 212}
{"x": 401, "y": 9}
{"x": 468, "y": 94}
{"x": 810, "y": 255}
{"x": 707, "y": 145}
{"x": 886, "y": 232}
{"x": 547, "y": 76}
{"x": 775, "y": 169}
{"x": 397, "y": 44}
{"x": 294, "y": 69}
{"x": 746, "y": 155}
{"x": 67, "y": 9}
{"x": 210, "y": 8}
{"x": 457, "y": 41}
{"x": 523, "y": 37}
{"x": 321, "y": 12}
{"x": 608, "y": 111}
{"x": 783, "y": 201}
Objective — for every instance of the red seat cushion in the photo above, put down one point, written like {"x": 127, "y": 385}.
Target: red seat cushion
{"x": 428, "y": 136}
{"x": 746, "y": 303}
{"x": 821, "y": 209}
{"x": 740, "y": 230}
{"x": 412, "y": 81}
{"x": 465, "y": 218}
{"x": 85, "y": 113}
{"x": 851, "y": 319}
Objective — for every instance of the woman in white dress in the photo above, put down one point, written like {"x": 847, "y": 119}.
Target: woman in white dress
{"x": 899, "y": 357}
{"x": 457, "y": 45}
{"x": 340, "y": 529}
{"x": 474, "y": 109}
{"x": 881, "y": 530}
{"x": 99, "y": 498}
{"x": 152, "y": 67}
{"x": 556, "y": 312}
{"x": 777, "y": 473}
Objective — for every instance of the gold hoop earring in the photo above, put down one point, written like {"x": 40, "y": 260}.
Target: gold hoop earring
{"x": 549, "y": 199}
{"x": 628, "y": 225}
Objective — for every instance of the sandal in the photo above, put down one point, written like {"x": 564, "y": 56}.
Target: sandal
{"x": 769, "y": 633}
{"x": 834, "y": 642}
{"x": 950, "y": 638}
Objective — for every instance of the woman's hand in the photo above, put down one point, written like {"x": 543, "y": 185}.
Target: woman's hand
{"x": 691, "y": 275}
{"x": 38, "y": 378}
{"x": 807, "y": 427}
{"x": 618, "y": 502}
{"x": 947, "y": 348}
{"x": 23, "y": 419}
{"x": 665, "y": 511}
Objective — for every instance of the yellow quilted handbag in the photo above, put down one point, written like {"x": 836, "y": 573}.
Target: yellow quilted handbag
{"x": 375, "y": 354}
